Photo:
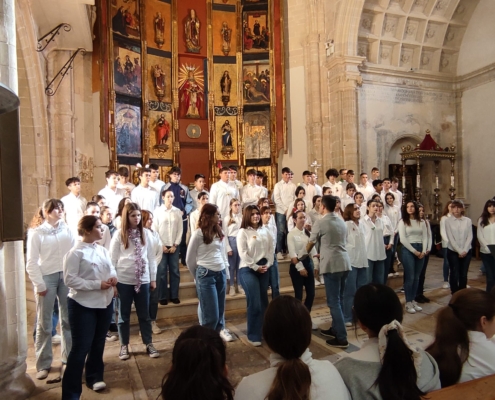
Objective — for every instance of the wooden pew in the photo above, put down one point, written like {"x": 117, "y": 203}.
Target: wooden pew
{"x": 477, "y": 389}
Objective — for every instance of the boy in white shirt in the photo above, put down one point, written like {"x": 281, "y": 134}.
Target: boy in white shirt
{"x": 349, "y": 178}
{"x": 375, "y": 174}
{"x": 284, "y": 194}
{"x": 155, "y": 181}
{"x": 251, "y": 192}
{"x": 199, "y": 186}
{"x": 343, "y": 175}
{"x": 309, "y": 190}
{"x": 396, "y": 192}
{"x": 144, "y": 195}
{"x": 259, "y": 181}
{"x": 112, "y": 193}
{"x": 124, "y": 181}
{"x": 314, "y": 182}
{"x": 332, "y": 174}
{"x": 221, "y": 193}
{"x": 74, "y": 204}
{"x": 363, "y": 187}
{"x": 233, "y": 177}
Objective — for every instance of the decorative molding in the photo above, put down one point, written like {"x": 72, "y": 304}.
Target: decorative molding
{"x": 159, "y": 106}
{"x": 226, "y": 111}
{"x": 476, "y": 78}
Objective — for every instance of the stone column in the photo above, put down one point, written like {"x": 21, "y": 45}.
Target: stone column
{"x": 14, "y": 383}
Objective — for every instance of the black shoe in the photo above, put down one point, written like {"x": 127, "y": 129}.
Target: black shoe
{"x": 421, "y": 298}
{"x": 175, "y": 301}
{"x": 152, "y": 352}
{"x": 113, "y": 328}
{"x": 163, "y": 302}
{"x": 124, "y": 352}
{"x": 328, "y": 333}
{"x": 342, "y": 344}
{"x": 183, "y": 262}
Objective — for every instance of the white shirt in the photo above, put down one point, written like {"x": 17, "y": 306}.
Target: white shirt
{"x": 193, "y": 220}
{"x": 486, "y": 236}
{"x": 124, "y": 260}
{"x": 157, "y": 185}
{"x": 211, "y": 256}
{"x": 336, "y": 188}
{"x": 127, "y": 187}
{"x": 356, "y": 244}
{"x": 398, "y": 198}
{"x": 310, "y": 192}
{"x": 365, "y": 190}
{"x": 194, "y": 196}
{"x": 168, "y": 224}
{"x": 253, "y": 245}
{"x": 373, "y": 233}
{"x": 157, "y": 245}
{"x": 319, "y": 190}
{"x": 416, "y": 233}
{"x": 220, "y": 194}
{"x": 107, "y": 237}
{"x": 314, "y": 216}
{"x": 296, "y": 243}
{"x": 250, "y": 194}
{"x": 481, "y": 360}
{"x": 388, "y": 229}
{"x": 272, "y": 229}
{"x": 233, "y": 226}
{"x": 459, "y": 234}
{"x": 146, "y": 198}
{"x": 46, "y": 248}
{"x": 112, "y": 197}
{"x": 326, "y": 382}
{"x": 345, "y": 200}
{"x": 363, "y": 208}
{"x": 85, "y": 266}
{"x": 74, "y": 208}
{"x": 237, "y": 184}
{"x": 284, "y": 195}
{"x": 394, "y": 214}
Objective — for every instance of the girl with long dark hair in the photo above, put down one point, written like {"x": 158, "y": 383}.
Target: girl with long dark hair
{"x": 486, "y": 237}
{"x": 233, "y": 225}
{"x": 386, "y": 367}
{"x": 293, "y": 373}
{"x": 463, "y": 347}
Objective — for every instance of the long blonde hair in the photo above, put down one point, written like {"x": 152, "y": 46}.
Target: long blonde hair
{"x": 232, "y": 219}
{"x": 124, "y": 231}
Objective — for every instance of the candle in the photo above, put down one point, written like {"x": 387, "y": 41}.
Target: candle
{"x": 452, "y": 181}
{"x": 436, "y": 181}
{"x": 403, "y": 182}
{"x": 417, "y": 181}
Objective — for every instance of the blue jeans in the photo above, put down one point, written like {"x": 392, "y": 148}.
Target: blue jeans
{"x": 389, "y": 261}
{"x": 127, "y": 295}
{"x": 54, "y": 321}
{"x": 412, "y": 269}
{"x": 273, "y": 278}
{"x": 422, "y": 276}
{"x": 376, "y": 271}
{"x": 256, "y": 287}
{"x": 89, "y": 328}
{"x": 458, "y": 270}
{"x": 357, "y": 277}
{"x": 56, "y": 289}
{"x": 281, "y": 221}
{"x": 211, "y": 294}
{"x": 489, "y": 263}
{"x": 334, "y": 289}
{"x": 234, "y": 261}
{"x": 183, "y": 245}
{"x": 168, "y": 264}
{"x": 308, "y": 282}
{"x": 446, "y": 268}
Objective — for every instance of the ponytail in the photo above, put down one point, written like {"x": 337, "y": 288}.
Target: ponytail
{"x": 292, "y": 382}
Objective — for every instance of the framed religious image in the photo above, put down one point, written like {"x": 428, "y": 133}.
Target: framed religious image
{"x": 126, "y": 18}
{"x": 225, "y": 84}
{"x": 191, "y": 91}
{"x": 255, "y": 32}
{"x": 158, "y": 24}
{"x": 256, "y": 82}
{"x": 257, "y": 135}
{"x": 128, "y": 130}
{"x": 226, "y": 138}
{"x": 159, "y": 79}
{"x": 161, "y": 134}
{"x": 127, "y": 69}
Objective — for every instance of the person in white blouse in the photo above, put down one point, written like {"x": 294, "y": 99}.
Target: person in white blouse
{"x": 222, "y": 192}
{"x": 133, "y": 257}
{"x": 74, "y": 203}
{"x": 486, "y": 237}
{"x": 158, "y": 247}
{"x": 251, "y": 192}
{"x": 315, "y": 214}
{"x": 168, "y": 224}
{"x": 93, "y": 208}
{"x": 144, "y": 195}
{"x": 459, "y": 230}
{"x": 309, "y": 189}
{"x": 256, "y": 250}
{"x": 273, "y": 274}
{"x": 155, "y": 181}
{"x": 414, "y": 238}
{"x": 447, "y": 213}
{"x": 202, "y": 199}
{"x": 111, "y": 192}
{"x": 332, "y": 174}
{"x": 388, "y": 240}
{"x": 375, "y": 249}
{"x": 464, "y": 345}
{"x": 91, "y": 279}
{"x": 360, "y": 200}
{"x": 199, "y": 187}
{"x": 283, "y": 197}
{"x": 299, "y": 205}
{"x": 118, "y": 217}
{"x": 393, "y": 213}
{"x": 124, "y": 182}
{"x": 348, "y": 197}
{"x": 47, "y": 244}
{"x": 234, "y": 219}
{"x": 420, "y": 297}
{"x": 302, "y": 269}
{"x": 356, "y": 248}
{"x": 206, "y": 259}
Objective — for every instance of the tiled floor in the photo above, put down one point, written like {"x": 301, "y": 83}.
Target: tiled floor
{"x": 140, "y": 377}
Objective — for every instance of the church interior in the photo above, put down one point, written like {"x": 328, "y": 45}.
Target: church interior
{"x": 401, "y": 85}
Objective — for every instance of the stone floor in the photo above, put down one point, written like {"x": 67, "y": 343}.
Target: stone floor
{"x": 140, "y": 377}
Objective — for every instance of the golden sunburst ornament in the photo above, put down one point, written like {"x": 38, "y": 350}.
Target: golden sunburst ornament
{"x": 187, "y": 72}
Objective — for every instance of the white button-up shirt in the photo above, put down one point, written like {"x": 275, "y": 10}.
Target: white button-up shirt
{"x": 336, "y": 188}
{"x": 220, "y": 194}
{"x": 112, "y": 197}
{"x": 310, "y": 192}
{"x": 168, "y": 224}
{"x": 284, "y": 195}
{"x": 250, "y": 194}
{"x": 486, "y": 236}
{"x": 394, "y": 214}
{"x": 157, "y": 185}
{"x": 373, "y": 233}
{"x": 481, "y": 355}
{"x": 296, "y": 243}
{"x": 253, "y": 245}
{"x": 86, "y": 265}
{"x": 74, "y": 208}
{"x": 356, "y": 244}
{"x": 366, "y": 190}
{"x": 146, "y": 198}
{"x": 459, "y": 234}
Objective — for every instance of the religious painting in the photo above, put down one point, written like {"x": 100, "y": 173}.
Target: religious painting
{"x": 192, "y": 32}
{"x": 159, "y": 78}
{"x": 128, "y": 130}
{"x": 158, "y": 25}
{"x": 191, "y": 91}
{"x": 255, "y": 32}
{"x": 224, "y": 33}
{"x": 226, "y": 138}
{"x": 125, "y": 18}
{"x": 256, "y": 82}
{"x": 161, "y": 134}
{"x": 127, "y": 70}
{"x": 225, "y": 88}
{"x": 257, "y": 135}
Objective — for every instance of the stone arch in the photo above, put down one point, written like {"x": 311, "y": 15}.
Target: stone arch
{"x": 393, "y": 154}
{"x": 347, "y": 27}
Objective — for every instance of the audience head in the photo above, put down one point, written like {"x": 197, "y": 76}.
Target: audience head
{"x": 386, "y": 184}
{"x": 349, "y": 177}
{"x": 287, "y": 332}
{"x": 144, "y": 176}
{"x": 224, "y": 173}
{"x": 174, "y": 174}
{"x": 359, "y": 198}
{"x": 199, "y": 182}
{"x": 92, "y": 208}
{"x": 372, "y": 206}
{"x": 124, "y": 172}
{"x": 112, "y": 178}
{"x": 266, "y": 214}
{"x": 457, "y": 208}
{"x": 350, "y": 189}
{"x": 53, "y": 210}
{"x": 343, "y": 173}
{"x": 468, "y": 310}
{"x": 198, "y": 369}
{"x": 375, "y": 173}
{"x": 233, "y": 172}
{"x": 251, "y": 218}
{"x": 307, "y": 177}
{"x": 259, "y": 178}
{"x": 363, "y": 177}
{"x": 89, "y": 228}
{"x": 106, "y": 215}
{"x": 447, "y": 209}
{"x": 168, "y": 197}
{"x": 264, "y": 202}
{"x": 299, "y": 205}
{"x": 286, "y": 173}
{"x": 74, "y": 185}
{"x": 98, "y": 198}
{"x": 488, "y": 212}
{"x": 389, "y": 199}
{"x": 327, "y": 191}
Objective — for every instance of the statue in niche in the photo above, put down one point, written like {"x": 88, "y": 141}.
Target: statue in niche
{"x": 225, "y": 86}
{"x": 192, "y": 29}
{"x": 227, "y": 134}
{"x": 191, "y": 90}
{"x": 159, "y": 81}
{"x": 159, "y": 30}
{"x": 162, "y": 132}
{"x": 226, "y": 38}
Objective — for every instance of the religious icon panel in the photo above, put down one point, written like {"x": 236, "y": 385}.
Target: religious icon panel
{"x": 191, "y": 91}
{"x": 161, "y": 137}
{"x": 128, "y": 130}
{"x": 226, "y": 138}
{"x": 158, "y": 25}
{"x": 255, "y": 32}
{"x": 257, "y": 135}
{"x": 159, "y": 79}
{"x": 256, "y": 82}
{"x": 127, "y": 70}
{"x": 125, "y": 18}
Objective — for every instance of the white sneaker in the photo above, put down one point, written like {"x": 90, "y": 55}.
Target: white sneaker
{"x": 42, "y": 374}
{"x": 390, "y": 275}
{"x": 314, "y": 326}
{"x": 155, "y": 328}
{"x": 348, "y": 324}
{"x": 99, "y": 386}
{"x": 468, "y": 287}
{"x": 254, "y": 344}
{"x": 416, "y": 306}
{"x": 56, "y": 339}
{"x": 240, "y": 290}
{"x": 232, "y": 291}
{"x": 446, "y": 285}
{"x": 317, "y": 282}
{"x": 226, "y": 335}
{"x": 280, "y": 256}
{"x": 322, "y": 280}
{"x": 410, "y": 308}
